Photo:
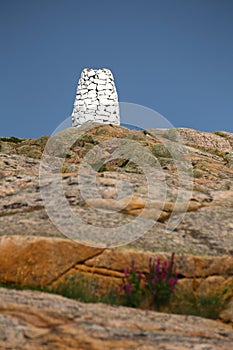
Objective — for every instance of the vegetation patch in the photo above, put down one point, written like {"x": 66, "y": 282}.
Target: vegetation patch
{"x": 204, "y": 305}
{"x": 11, "y": 139}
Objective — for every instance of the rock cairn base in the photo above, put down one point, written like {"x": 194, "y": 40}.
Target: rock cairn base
{"x": 96, "y": 98}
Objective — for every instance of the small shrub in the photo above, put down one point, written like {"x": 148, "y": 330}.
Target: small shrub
{"x": 131, "y": 289}
{"x": 157, "y": 285}
{"x": 161, "y": 280}
{"x": 68, "y": 156}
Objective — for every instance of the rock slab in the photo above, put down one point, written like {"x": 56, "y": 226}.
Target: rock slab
{"x": 35, "y": 321}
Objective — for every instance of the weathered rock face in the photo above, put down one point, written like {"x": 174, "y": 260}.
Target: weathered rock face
{"x": 96, "y": 98}
{"x": 34, "y": 321}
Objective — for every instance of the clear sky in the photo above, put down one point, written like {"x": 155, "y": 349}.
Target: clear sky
{"x": 174, "y": 56}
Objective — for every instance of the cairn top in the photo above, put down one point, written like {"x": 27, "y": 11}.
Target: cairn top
{"x": 96, "y": 98}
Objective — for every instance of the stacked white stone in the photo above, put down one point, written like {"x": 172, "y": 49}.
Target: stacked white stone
{"x": 96, "y": 98}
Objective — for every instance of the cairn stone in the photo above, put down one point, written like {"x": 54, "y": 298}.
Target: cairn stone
{"x": 96, "y": 98}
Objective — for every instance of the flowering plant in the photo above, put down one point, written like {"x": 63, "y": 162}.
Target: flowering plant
{"x": 161, "y": 279}
{"x": 132, "y": 285}
{"x": 159, "y": 282}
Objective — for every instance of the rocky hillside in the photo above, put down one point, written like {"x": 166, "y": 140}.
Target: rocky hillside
{"x": 202, "y": 238}
{"x": 206, "y": 227}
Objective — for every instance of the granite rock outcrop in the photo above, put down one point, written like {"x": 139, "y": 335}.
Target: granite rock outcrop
{"x": 35, "y": 253}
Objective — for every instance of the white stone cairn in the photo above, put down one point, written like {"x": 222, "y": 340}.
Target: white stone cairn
{"x": 96, "y": 98}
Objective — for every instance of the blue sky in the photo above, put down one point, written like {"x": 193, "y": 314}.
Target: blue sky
{"x": 174, "y": 56}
